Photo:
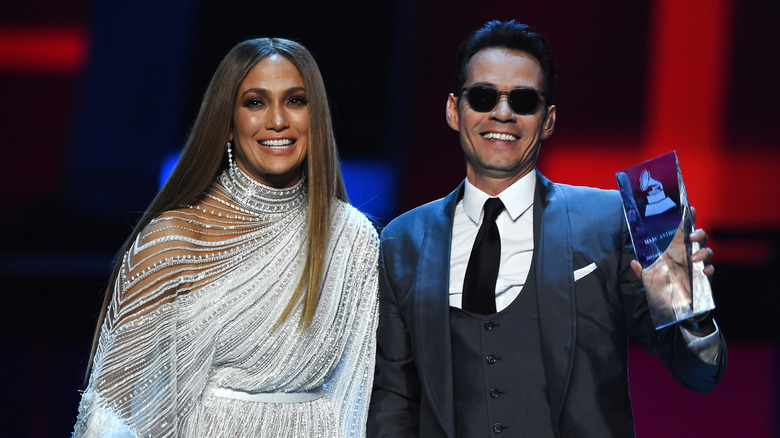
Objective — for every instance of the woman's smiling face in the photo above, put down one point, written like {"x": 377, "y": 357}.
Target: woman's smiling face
{"x": 271, "y": 123}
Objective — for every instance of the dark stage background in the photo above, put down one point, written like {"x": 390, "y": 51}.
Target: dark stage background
{"x": 96, "y": 96}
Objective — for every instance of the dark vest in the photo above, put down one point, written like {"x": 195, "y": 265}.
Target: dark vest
{"x": 499, "y": 383}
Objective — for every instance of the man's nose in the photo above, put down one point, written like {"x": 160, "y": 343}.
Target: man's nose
{"x": 503, "y": 111}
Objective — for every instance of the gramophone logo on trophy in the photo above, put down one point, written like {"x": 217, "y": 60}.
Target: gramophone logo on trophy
{"x": 657, "y": 201}
{"x": 659, "y": 220}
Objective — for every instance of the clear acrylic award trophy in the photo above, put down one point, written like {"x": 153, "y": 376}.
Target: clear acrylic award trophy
{"x": 659, "y": 220}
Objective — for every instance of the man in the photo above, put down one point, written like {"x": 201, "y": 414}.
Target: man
{"x": 542, "y": 353}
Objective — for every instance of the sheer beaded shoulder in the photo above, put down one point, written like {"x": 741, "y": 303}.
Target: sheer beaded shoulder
{"x": 194, "y": 307}
{"x": 188, "y": 246}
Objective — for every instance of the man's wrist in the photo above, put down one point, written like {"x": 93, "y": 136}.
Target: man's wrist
{"x": 699, "y": 325}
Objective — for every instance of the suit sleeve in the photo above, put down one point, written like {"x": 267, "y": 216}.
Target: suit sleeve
{"x": 395, "y": 401}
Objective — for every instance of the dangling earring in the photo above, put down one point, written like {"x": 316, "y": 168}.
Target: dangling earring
{"x": 231, "y": 163}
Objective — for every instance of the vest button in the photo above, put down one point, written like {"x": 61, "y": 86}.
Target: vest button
{"x": 495, "y": 392}
{"x": 498, "y": 428}
{"x": 488, "y": 325}
{"x": 491, "y": 359}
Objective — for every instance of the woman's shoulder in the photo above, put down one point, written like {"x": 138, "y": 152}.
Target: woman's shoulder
{"x": 164, "y": 256}
{"x": 349, "y": 217}
{"x": 185, "y": 225}
{"x": 174, "y": 234}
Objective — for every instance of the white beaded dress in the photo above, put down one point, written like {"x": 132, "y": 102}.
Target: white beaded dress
{"x": 188, "y": 347}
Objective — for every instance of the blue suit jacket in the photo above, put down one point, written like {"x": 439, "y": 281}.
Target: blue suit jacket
{"x": 584, "y": 325}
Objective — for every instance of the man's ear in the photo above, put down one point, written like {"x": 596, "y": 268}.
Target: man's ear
{"x": 549, "y": 123}
{"x": 453, "y": 117}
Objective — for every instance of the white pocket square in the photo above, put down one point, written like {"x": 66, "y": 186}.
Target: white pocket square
{"x": 579, "y": 273}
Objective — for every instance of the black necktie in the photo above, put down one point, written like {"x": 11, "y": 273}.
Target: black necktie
{"x": 479, "y": 286}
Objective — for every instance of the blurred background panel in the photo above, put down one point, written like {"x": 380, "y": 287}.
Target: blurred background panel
{"x": 97, "y": 97}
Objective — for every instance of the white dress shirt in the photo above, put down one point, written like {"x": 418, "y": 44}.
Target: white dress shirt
{"x": 516, "y": 227}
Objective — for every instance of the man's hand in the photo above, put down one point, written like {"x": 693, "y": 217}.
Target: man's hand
{"x": 666, "y": 281}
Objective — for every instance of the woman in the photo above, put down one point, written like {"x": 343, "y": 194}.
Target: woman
{"x": 245, "y": 303}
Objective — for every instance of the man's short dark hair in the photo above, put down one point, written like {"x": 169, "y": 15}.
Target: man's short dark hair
{"x": 511, "y": 35}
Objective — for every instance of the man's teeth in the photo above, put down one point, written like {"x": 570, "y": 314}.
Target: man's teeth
{"x": 497, "y": 136}
{"x": 283, "y": 143}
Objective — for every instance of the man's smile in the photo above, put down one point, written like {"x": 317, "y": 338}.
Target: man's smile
{"x": 499, "y": 136}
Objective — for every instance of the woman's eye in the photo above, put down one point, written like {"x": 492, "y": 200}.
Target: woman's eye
{"x": 253, "y": 103}
{"x": 298, "y": 101}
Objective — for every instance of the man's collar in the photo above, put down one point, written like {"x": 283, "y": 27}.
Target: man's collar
{"x": 517, "y": 198}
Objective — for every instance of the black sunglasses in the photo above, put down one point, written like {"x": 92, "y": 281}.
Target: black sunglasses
{"x": 522, "y": 101}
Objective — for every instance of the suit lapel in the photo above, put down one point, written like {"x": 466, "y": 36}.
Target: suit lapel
{"x": 555, "y": 285}
{"x": 432, "y": 311}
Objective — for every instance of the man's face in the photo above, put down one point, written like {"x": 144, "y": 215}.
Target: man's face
{"x": 500, "y": 146}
